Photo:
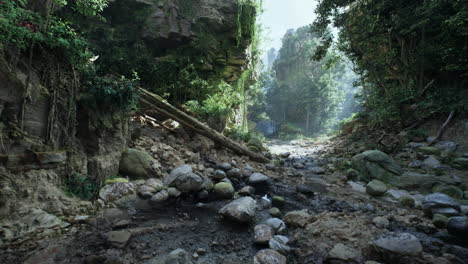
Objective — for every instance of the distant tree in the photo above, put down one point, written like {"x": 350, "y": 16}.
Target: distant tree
{"x": 304, "y": 92}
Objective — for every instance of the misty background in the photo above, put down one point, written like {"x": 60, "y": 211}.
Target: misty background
{"x": 302, "y": 97}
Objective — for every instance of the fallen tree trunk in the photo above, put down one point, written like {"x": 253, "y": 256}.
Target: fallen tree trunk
{"x": 157, "y": 103}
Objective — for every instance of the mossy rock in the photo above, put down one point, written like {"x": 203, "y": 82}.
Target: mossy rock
{"x": 461, "y": 162}
{"x": 429, "y": 150}
{"x": 449, "y": 190}
{"x": 407, "y": 201}
{"x": 376, "y": 188}
{"x": 136, "y": 164}
{"x": 116, "y": 180}
{"x": 440, "y": 221}
{"x": 278, "y": 201}
{"x": 224, "y": 190}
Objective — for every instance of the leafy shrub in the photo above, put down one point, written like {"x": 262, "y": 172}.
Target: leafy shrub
{"x": 216, "y": 108}
{"x": 253, "y": 139}
{"x": 81, "y": 186}
{"x": 110, "y": 93}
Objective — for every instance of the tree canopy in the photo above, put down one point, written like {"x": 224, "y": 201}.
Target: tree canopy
{"x": 412, "y": 55}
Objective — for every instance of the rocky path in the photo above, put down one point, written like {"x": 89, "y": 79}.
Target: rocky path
{"x": 222, "y": 209}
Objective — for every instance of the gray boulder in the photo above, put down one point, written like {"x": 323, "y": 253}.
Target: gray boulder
{"x": 184, "y": 179}
{"x": 445, "y": 211}
{"x": 458, "y": 226}
{"x": 159, "y": 197}
{"x": 247, "y": 191}
{"x": 438, "y": 200}
{"x": 234, "y": 173}
{"x": 431, "y": 162}
{"x": 268, "y": 256}
{"x": 263, "y": 234}
{"x": 114, "y": 191}
{"x": 146, "y": 191}
{"x": 376, "y": 188}
{"x": 241, "y": 210}
{"x": 279, "y": 243}
{"x": 395, "y": 195}
{"x": 219, "y": 175}
{"x": 277, "y": 224}
{"x": 259, "y": 181}
{"x": 402, "y": 244}
{"x": 374, "y": 164}
{"x": 225, "y": 166}
{"x": 446, "y": 146}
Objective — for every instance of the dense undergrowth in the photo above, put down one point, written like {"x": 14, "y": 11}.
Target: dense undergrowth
{"x": 411, "y": 56}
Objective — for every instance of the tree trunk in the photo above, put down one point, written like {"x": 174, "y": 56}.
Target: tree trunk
{"x": 157, "y": 103}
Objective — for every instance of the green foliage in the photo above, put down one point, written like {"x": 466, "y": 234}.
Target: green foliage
{"x": 110, "y": 93}
{"x": 18, "y": 26}
{"x": 81, "y": 186}
{"x": 246, "y": 19}
{"x": 407, "y": 53}
{"x": 88, "y": 8}
{"x": 253, "y": 139}
{"x": 21, "y": 28}
{"x": 216, "y": 108}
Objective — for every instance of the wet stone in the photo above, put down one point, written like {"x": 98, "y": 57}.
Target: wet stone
{"x": 234, "y": 173}
{"x": 279, "y": 243}
{"x": 146, "y": 191}
{"x": 438, "y": 200}
{"x": 274, "y": 211}
{"x": 458, "y": 226}
{"x": 224, "y": 166}
{"x": 159, "y": 197}
{"x": 258, "y": 179}
{"x": 173, "y": 192}
{"x": 448, "y": 212}
{"x": 277, "y": 224}
{"x": 247, "y": 191}
{"x": 439, "y": 221}
{"x": 219, "y": 175}
{"x": 263, "y": 234}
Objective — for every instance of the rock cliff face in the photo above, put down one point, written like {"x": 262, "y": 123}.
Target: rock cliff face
{"x": 46, "y": 134}
{"x": 45, "y": 137}
{"x": 213, "y": 35}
